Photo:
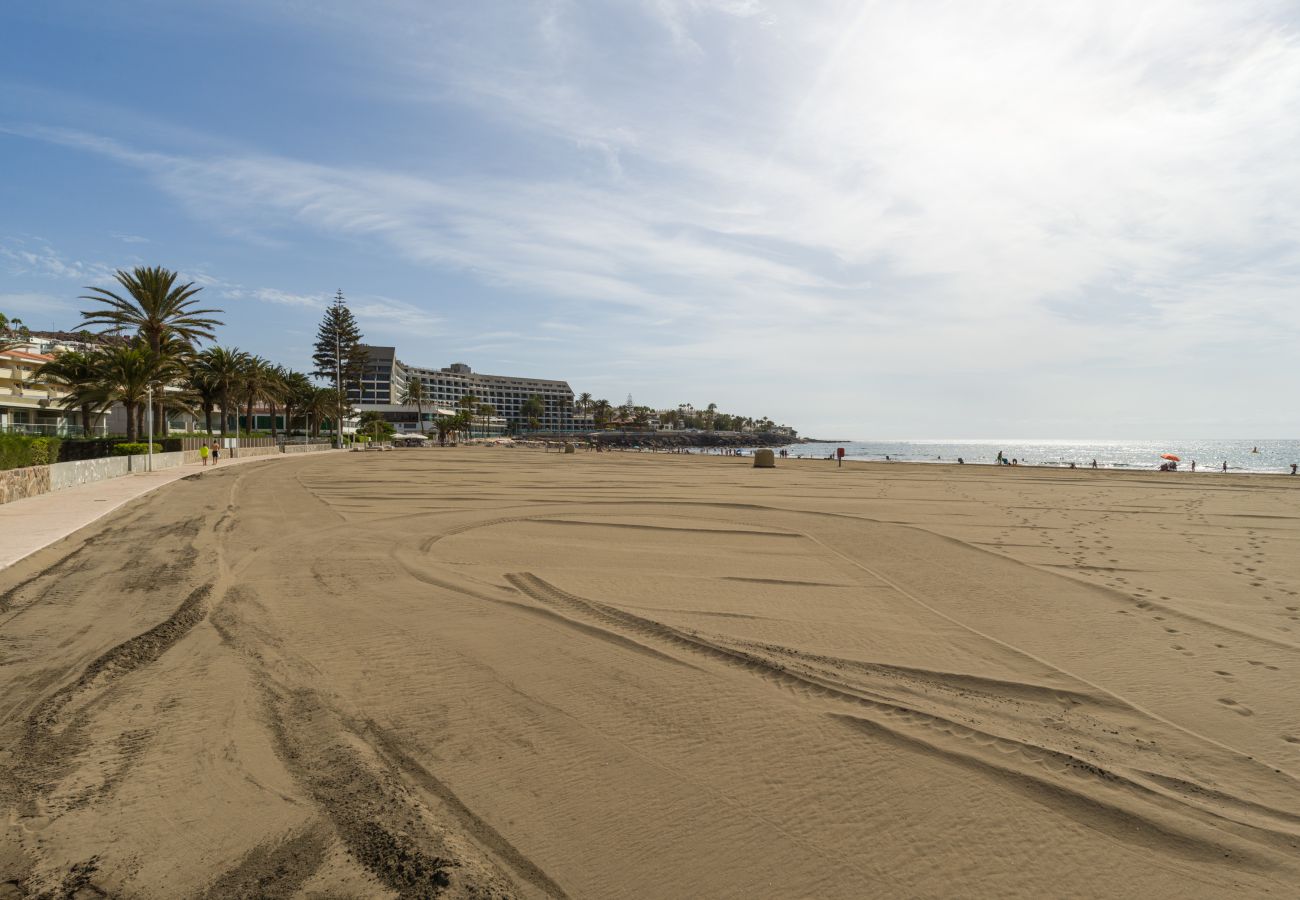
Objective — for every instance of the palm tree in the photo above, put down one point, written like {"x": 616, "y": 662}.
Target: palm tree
{"x": 319, "y": 405}
{"x": 125, "y": 375}
{"x": 485, "y": 411}
{"x": 156, "y": 309}
{"x": 200, "y": 383}
{"x": 413, "y": 395}
{"x": 79, "y": 375}
{"x": 468, "y": 403}
{"x": 532, "y": 409}
{"x": 258, "y": 381}
{"x": 224, "y": 367}
{"x": 296, "y": 395}
{"x": 600, "y": 411}
{"x": 584, "y": 402}
{"x": 161, "y": 313}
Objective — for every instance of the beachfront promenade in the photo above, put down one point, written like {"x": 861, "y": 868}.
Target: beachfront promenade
{"x": 34, "y": 523}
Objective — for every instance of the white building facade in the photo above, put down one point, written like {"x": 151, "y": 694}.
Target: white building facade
{"x": 384, "y": 382}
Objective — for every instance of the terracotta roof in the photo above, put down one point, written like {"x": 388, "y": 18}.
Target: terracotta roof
{"x": 23, "y": 354}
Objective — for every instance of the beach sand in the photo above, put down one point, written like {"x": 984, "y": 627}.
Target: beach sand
{"x": 501, "y": 672}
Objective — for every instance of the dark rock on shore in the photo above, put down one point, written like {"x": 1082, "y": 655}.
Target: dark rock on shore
{"x": 665, "y": 440}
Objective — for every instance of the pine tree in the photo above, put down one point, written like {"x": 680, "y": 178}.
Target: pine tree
{"x": 339, "y": 356}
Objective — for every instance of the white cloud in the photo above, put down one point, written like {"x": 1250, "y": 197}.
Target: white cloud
{"x": 32, "y": 256}
{"x": 993, "y": 190}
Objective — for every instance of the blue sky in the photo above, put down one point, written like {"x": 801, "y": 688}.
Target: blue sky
{"x": 869, "y": 220}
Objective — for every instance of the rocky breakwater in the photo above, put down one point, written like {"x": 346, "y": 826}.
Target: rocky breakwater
{"x": 669, "y": 440}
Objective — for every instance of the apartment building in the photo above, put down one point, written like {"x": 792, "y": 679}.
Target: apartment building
{"x": 28, "y": 405}
{"x": 385, "y": 377}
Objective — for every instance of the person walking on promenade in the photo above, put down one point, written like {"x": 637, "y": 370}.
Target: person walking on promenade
{"x": 203, "y": 454}
{"x": 216, "y": 453}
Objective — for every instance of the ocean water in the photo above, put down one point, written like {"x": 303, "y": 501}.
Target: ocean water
{"x": 1275, "y": 456}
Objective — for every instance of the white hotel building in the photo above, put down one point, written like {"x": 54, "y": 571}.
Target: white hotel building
{"x": 384, "y": 379}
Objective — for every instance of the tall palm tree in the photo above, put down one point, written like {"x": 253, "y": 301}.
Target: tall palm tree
{"x": 468, "y": 403}
{"x": 201, "y": 384}
{"x": 125, "y": 375}
{"x": 413, "y": 395}
{"x": 161, "y": 313}
{"x": 224, "y": 367}
{"x": 321, "y": 404}
{"x": 155, "y": 308}
{"x": 532, "y": 409}
{"x": 600, "y": 411}
{"x": 297, "y": 395}
{"x": 78, "y": 373}
{"x": 259, "y": 381}
{"x": 584, "y": 402}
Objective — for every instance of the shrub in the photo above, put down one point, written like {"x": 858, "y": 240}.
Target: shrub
{"x": 44, "y": 451}
{"x": 20, "y": 450}
{"x": 134, "y": 449}
{"x": 87, "y": 448}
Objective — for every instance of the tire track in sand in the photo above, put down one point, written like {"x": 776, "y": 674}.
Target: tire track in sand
{"x": 1172, "y": 820}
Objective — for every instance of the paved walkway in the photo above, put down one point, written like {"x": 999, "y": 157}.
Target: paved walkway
{"x": 34, "y": 523}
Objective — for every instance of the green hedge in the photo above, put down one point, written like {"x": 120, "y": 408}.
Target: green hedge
{"x": 134, "y": 449}
{"x": 20, "y": 450}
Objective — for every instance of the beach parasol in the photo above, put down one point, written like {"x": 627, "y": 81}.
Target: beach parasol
{"x": 1171, "y": 456}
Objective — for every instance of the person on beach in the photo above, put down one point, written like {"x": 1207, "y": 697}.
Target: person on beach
{"x": 1193, "y": 465}
{"x": 203, "y": 454}
{"x": 216, "y": 453}
{"x": 1225, "y": 465}
{"x": 1293, "y": 465}
{"x": 1094, "y": 463}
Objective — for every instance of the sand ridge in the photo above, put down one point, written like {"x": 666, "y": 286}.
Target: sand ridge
{"x": 478, "y": 672}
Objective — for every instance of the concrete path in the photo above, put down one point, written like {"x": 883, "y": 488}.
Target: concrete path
{"x": 34, "y": 523}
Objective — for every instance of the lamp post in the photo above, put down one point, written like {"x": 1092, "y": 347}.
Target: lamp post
{"x": 149, "y": 417}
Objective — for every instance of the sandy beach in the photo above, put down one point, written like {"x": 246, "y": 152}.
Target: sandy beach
{"x": 492, "y": 672}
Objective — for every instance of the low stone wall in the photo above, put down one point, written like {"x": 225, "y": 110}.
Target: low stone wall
{"x": 306, "y": 448}
{"x": 16, "y": 484}
{"x": 245, "y": 452}
{"x": 84, "y": 471}
{"x": 140, "y": 462}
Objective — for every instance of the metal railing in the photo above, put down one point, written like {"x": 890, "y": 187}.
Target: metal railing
{"x": 59, "y": 429}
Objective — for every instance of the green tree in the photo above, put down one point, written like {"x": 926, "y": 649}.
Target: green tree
{"x": 321, "y": 404}
{"x": 413, "y": 395}
{"x": 373, "y": 423}
{"x": 125, "y": 375}
{"x": 200, "y": 384}
{"x": 259, "y": 382}
{"x": 296, "y": 396}
{"x": 223, "y": 367}
{"x": 339, "y": 355}
{"x": 79, "y": 375}
{"x": 156, "y": 310}
{"x": 601, "y": 411}
{"x": 532, "y": 411}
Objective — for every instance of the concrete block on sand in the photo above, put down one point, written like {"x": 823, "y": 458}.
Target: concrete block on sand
{"x": 764, "y": 459}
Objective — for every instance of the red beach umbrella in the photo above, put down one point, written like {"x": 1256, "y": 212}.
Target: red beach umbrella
{"x": 1171, "y": 456}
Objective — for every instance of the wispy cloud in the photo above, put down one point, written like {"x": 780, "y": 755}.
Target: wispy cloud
{"x": 32, "y": 256}
{"x": 1007, "y": 187}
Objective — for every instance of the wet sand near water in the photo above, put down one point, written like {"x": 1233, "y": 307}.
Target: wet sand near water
{"x": 489, "y": 672}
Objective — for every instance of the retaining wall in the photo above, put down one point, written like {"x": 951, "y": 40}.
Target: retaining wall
{"x": 306, "y": 448}
{"x": 84, "y": 471}
{"x": 16, "y": 484}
